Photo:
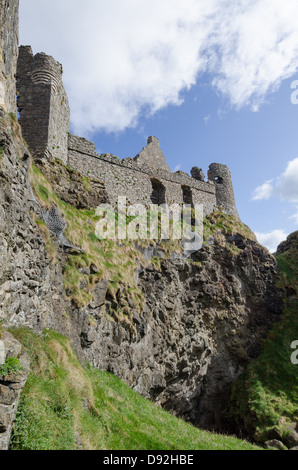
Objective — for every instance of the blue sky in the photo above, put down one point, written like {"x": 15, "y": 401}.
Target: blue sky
{"x": 211, "y": 79}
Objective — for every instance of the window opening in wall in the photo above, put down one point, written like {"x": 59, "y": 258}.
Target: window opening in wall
{"x": 158, "y": 195}
{"x": 218, "y": 180}
{"x": 187, "y": 195}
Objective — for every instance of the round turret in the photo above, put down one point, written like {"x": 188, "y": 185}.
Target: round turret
{"x": 221, "y": 176}
{"x": 46, "y": 70}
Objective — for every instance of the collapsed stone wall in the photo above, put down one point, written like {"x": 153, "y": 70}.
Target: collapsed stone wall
{"x": 9, "y": 17}
{"x": 153, "y": 156}
{"x": 43, "y": 105}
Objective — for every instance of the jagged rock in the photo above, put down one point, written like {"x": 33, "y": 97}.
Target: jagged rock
{"x": 275, "y": 445}
{"x": 203, "y": 324}
{"x": 99, "y": 294}
{"x": 290, "y": 438}
{"x": 289, "y": 243}
{"x": 11, "y": 387}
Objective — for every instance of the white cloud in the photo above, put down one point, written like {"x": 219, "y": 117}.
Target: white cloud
{"x": 284, "y": 186}
{"x": 125, "y": 57}
{"x": 295, "y": 216}
{"x": 287, "y": 184}
{"x": 177, "y": 168}
{"x": 264, "y": 191}
{"x": 272, "y": 239}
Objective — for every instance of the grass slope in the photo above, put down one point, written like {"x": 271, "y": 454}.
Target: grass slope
{"x": 265, "y": 399}
{"x": 65, "y": 406}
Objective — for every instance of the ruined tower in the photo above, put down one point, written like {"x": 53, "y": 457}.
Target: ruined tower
{"x": 9, "y": 27}
{"x": 225, "y": 199}
{"x": 43, "y": 105}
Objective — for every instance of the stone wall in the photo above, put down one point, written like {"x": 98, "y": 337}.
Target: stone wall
{"x": 43, "y": 105}
{"x": 135, "y": 179}
{"x": 9, "y": 16}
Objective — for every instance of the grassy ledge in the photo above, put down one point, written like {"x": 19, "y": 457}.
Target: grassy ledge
{"x": 109, "y": 260}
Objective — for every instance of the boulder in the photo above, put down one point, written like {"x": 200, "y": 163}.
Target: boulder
{"x": 275, "y": 445}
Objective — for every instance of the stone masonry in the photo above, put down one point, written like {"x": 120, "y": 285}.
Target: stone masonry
{"x": 136, "y": 181}
{"x": 43, "y": 105}
{"x": 9, "y": 15}
{"x": 147, "y": 179}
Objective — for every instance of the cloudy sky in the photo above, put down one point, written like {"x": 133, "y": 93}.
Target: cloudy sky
{"x": 214, "y": 80}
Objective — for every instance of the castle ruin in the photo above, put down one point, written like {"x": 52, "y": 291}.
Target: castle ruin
{"x": 145, "y": 179}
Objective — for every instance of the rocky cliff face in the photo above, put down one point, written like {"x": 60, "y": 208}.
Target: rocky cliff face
{"x": 203, "y": 319}
{"x": 27, "y": 277}
{"x": 203, "y": 323}
{"x": 11, "y": 385}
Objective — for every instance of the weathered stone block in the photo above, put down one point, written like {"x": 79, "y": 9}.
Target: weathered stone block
{"x": 99, "y": 294}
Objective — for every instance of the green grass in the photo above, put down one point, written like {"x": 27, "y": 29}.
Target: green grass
{"x": 220, "y": 224}
{"x": 10, "y": 366}
{"x": 49, "y": 245}
{"x": 13, "y": 117}
{"x": 111, "y": 260}
{"x": 63, "y": 404}
{"x": 266, "y": 396}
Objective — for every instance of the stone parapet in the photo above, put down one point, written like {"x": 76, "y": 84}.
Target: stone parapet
{"x": 87, "y": 148}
